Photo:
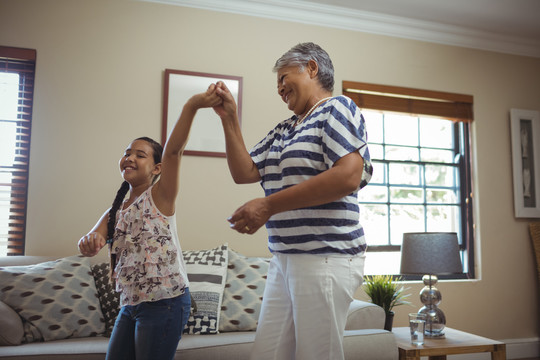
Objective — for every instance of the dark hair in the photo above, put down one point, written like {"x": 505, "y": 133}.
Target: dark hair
{"x": 121, "y": 194}
{"x": 299, "y": 55}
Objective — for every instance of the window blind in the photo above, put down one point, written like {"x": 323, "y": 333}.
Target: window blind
{"x": 15, "y": 157}
{"x": 456, "y": 107}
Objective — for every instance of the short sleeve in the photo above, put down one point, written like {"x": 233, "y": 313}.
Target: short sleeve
{"x": 345, "y": 132}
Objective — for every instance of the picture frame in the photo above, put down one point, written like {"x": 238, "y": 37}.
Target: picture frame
{"x": 525, "y": 132}
{"x": 206, "y": 136}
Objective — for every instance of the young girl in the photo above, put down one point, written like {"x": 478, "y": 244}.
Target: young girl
{"x": 146, "y": 258}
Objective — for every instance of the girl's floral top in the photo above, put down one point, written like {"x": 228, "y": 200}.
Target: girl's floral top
{"x": 149, "y": 263}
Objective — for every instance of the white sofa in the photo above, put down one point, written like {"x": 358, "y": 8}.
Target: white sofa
{"x": 364, "y": 336}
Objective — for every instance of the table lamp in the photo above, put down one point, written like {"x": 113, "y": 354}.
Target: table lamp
{"x": 431, "y": 254}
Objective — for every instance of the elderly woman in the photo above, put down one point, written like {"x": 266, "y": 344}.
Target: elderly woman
{"x": 311, "y": 167}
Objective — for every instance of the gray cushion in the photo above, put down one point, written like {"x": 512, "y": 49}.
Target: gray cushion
{"x": 55, "y": 299}
{"x": 244, "y": 288}
{"x": 11, "y": 331}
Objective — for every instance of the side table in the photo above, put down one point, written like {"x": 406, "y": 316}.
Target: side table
{"x": 454, "y": 342}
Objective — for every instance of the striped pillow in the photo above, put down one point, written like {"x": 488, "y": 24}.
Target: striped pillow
{"x": 207, "y": 270}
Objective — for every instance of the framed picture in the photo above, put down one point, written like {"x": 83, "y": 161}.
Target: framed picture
{"x": 206, "y": 135}
{"x": 525, "y": 131}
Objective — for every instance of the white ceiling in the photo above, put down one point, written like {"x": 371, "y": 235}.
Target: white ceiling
{"x": 507, "y": 26}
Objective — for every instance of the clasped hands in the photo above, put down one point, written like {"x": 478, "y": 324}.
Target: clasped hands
{"x": 218, "y": 97}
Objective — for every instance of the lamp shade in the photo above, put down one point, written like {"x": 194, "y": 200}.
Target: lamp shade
{"x": 435, "y": 253}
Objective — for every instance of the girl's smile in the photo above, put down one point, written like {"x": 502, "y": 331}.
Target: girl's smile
{"x": 137, "y": 164}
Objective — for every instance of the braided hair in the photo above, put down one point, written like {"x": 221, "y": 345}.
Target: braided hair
{"x": 119, "y": 198}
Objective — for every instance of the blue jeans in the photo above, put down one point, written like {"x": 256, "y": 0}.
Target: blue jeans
{"x": 150, "y": 330}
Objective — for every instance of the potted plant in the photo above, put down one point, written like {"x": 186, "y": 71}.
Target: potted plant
{"x": 386, "y": 292}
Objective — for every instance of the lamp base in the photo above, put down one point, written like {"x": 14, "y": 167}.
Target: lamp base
{"x": 435, "y": 321}
{"x": 431, "y": 297}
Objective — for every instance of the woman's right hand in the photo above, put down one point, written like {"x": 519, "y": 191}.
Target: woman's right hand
{"x": 91, "y": 243}
{"x": 227, "y": 108}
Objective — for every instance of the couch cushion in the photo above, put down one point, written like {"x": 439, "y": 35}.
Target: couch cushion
{"x": 206, "y": 271}
{"x": 11, "y": 331}
{"x": 55, "y": 299}
{"x": 109, "y": 299}
{"x": 242, "y": 296}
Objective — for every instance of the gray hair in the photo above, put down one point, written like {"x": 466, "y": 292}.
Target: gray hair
{"x": 300, "y": 55}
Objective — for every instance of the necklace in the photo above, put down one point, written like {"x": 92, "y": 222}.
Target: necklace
{"x": 311, "y": 110}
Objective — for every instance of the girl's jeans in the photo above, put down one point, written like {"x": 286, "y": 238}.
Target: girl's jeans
{"x": 150, "y": 330}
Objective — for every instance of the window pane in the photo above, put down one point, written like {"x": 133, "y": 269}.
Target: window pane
{"x": 374, "y": 220}
{"x": 406, "y": 195}
{"x": 440, "y": 175}
{"x": 379, "y": 173}
{"x": 443, "y": 218}
{"x": 376, "y": 151}
{"x": 17, "y": 68}
{"x": 441, "y": 196}
{"x": 437, "y": 133}
{"x": 400, "y": 130}
{"x": 374, "y": 125}
{"x": 434, "y": 155}
{"x": 405, "y": 218}
{"x": 5, "y": 194}
{"x": 401, "y": 153}
{"x": 8, "y": 132}
{"x": 9, "y": 93}
{"x": 384, "y": 263}
{"x": 374, "y": 193}
{"x": 406, "y": 174}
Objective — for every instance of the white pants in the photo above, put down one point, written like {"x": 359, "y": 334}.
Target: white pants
{"x": 305, "y": 305}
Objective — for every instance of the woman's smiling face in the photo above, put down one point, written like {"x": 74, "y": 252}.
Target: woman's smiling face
{"x": 295, "y": 88}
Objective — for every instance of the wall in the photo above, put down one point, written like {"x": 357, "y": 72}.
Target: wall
{"x": 99, "y": 85}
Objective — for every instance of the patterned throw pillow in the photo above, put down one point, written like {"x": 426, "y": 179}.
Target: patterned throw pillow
{"x": 55, "y": 299}
{"x": 206, "y": 271}
{"x": 242, "y": 297}
{"x": 109, "y": 299}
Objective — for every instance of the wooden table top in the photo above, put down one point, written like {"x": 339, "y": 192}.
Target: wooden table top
{"x": 452, "y": 343}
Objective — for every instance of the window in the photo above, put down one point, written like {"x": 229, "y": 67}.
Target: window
{"x": 419, "y": 146}
{"x": 17, "y": 68}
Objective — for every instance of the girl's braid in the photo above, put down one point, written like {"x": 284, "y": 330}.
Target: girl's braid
{"x": 111, "y": 222}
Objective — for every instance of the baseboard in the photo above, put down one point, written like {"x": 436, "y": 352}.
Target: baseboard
{"x": 522, "y": 348}
{"x": 515, "y": 349}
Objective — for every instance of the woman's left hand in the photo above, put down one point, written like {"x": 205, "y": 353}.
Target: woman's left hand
{"x": 248, "y": 218}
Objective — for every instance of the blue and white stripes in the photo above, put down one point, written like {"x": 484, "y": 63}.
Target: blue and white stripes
{"x": 289, "y": 155}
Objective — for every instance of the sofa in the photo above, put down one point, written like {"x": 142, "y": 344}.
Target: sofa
{"x": 65, "y": 308}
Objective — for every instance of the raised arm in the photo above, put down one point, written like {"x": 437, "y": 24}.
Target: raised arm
{"x": 166, "y": 189}
{"x": 241, "y": 166}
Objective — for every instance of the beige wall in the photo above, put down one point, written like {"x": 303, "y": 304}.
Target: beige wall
{"x": 99, "y": 84}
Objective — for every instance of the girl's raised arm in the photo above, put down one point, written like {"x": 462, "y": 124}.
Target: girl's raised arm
{"x": 166, "y": 189}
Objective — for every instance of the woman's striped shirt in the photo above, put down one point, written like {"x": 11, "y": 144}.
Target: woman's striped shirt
{"x": 289, "y": 155}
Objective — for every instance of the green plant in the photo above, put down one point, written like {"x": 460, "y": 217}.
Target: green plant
{"x": 385, "y": 291}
